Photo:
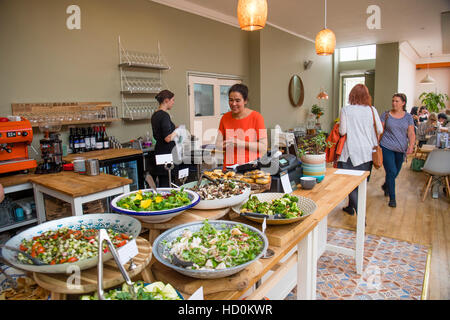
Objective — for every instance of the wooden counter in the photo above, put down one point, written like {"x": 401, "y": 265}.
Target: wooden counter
{"x": 16, "y": 179}
{"x": 78, "y": 185}
{"x": 104, "y": 154}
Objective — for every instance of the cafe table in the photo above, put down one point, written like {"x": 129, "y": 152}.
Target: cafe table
{"x": 76, "y": 189}
{"x": 297, "y": 245}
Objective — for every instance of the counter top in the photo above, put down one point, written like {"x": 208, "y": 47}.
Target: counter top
{"x": 78, "y": 185}
{"x": 104, "y": 154}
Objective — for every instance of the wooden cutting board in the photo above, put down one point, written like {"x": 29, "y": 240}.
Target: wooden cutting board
{"x": 238, "y": 281}
{"x": 59, "y": 282}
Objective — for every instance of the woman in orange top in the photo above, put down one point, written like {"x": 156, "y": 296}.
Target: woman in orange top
{"x": 242, "y": 134}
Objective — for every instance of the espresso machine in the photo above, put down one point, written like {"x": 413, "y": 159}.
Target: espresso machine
{"x": 15, "y": 136}
{"x": 51, "y": 149}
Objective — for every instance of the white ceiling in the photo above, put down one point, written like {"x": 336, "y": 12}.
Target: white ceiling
{"x": 417, "y": 22}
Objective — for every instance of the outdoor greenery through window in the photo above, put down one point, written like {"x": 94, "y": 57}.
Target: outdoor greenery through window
{"x": 358, "y": 53}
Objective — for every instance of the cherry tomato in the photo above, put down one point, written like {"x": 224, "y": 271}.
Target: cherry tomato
{"x": 33, "y": 254}
{"x": 72, "y": 259}
{"x": 124, "y": 242}
{"x": 63, "y": 260}
{"x": 53, "y": 261}
{"x": 40, "y": 249}
{"x": 23, "y": 248}
{"x": 124, "y": 236}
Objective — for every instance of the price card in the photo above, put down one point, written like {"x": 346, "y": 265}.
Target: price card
{"x": 197, "y": 295}
{"x": 163, "y": 159}
{"x": 183, "y": 173}
{"x": 285, "y": 182}
{"x": 127, "y": 252}
{"x": 264, "y": 225}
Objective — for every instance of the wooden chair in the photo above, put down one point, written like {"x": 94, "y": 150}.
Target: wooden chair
{"x": 437, "y": 166}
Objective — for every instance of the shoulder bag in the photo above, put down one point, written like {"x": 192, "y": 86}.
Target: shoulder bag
{"x": 377, "y": 153}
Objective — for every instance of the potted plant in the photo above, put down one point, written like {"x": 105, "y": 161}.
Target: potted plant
{"x": 312, "y": 155}
{"x": 433, "y": 101}
{"x": 317, "y": 111}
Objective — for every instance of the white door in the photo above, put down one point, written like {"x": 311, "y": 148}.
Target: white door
{"x": 208, "y": 101}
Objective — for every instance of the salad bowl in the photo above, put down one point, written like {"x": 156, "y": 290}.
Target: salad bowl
{"x": 161, "y": 249}
{"x": 155, "y": 216}
{"x": 120, "y": 223}
{"x": 219, "y": 203}
{"x": 308, "y": 206}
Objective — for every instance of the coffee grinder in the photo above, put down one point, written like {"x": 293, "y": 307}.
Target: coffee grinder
{"x": 51, "y": 149}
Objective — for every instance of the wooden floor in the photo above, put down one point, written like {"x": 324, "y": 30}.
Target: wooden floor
{"x": 426, "y": 223}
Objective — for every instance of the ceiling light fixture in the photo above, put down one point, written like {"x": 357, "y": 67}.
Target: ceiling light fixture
{"x": 252, "y": 14}
{"x": 325, "y": 39}
{"x": 322, "y": 95}
{"x": 428, "y": 79}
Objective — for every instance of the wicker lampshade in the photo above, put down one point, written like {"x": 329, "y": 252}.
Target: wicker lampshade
{"x": 325, "y": 42}
{"x": 252, "y": 14}
{"x": 322, "y": 95}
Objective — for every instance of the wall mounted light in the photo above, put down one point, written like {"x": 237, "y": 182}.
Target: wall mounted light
{"x": 252, "y": 14}
{"x": 325, "y": 39}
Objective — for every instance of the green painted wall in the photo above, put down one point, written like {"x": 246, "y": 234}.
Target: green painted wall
{"x": 42, "y": 61}
{"x": 386, "y": 75}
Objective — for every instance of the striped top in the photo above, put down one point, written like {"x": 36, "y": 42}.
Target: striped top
{"x": 395, "y": 137}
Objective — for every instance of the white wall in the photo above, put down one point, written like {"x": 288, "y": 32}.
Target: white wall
{"x": 441, "y": 85}
{"x": 407, "y": 78}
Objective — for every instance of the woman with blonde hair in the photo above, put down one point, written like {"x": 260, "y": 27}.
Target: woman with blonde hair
{"x": 427, "y": 128}
{"x": 358, "y": 121}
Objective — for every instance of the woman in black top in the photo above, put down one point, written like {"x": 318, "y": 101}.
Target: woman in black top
{"x": 164, "y": 133}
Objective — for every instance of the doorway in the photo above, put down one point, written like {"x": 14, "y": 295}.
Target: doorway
{"x": 208, "y": 101}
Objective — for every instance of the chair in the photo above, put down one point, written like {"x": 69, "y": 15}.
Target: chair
{"x": 437, "y": 166}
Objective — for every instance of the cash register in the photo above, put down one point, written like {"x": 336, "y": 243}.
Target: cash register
{"x": 275, "y": 163}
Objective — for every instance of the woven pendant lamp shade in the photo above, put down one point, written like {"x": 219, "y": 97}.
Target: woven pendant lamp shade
{"x": 322, "y": 95}
{"x": 252, "y": 14}
{"x": 325, "y": 42}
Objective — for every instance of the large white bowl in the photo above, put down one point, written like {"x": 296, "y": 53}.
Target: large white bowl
{"x": 219, "y": 203}
{"x": 161, "y": 251}
{"x": 156, "y": 216}
{"x": 120, "y": 223}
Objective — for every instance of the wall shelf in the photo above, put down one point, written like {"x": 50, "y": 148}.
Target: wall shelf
{"x": 133, "y": 86}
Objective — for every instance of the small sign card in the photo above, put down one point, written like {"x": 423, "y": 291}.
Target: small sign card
{"x": 350, "y": 172}
{"x": 285, "y": 182}
{"x": 163, "y": 159}
{"x": 197, "y": 295}
{"x": 183, "y": 173}
{"x": 127, "y": 252}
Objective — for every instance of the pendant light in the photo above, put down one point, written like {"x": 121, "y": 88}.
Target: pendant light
{"x": 252, "y": 14}
{"x": 322, "y": 95}
{"x": 428, "y": 79}
{"x": 325, "y": 39}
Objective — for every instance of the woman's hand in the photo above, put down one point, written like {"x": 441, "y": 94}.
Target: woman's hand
{"x": 410, "y": 150}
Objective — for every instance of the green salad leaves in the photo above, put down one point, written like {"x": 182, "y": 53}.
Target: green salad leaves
{"x": 287, "y": 206}
{"x": 149, "y": 201}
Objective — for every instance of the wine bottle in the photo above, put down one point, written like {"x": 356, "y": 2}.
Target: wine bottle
{"x": 76, "y": 141}
{"x": 105, "y": 138}
{"x": 98, "y": 138}
{"x": 82, "y": 141}
{"x": 93, "y": 140}
{"x": 87, "y": 139}
{"x": 70, "y": 141}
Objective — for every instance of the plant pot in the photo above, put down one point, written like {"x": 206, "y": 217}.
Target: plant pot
{"x": 314, "y": 165}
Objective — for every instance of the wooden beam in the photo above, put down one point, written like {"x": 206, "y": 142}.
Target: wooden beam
{"x": 433, "y": 65}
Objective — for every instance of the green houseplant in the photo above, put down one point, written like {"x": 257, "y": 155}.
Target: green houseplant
{"x": 433, "y": 101}
{"x": 315, "y": 145}
{"x": 317, "y": 111}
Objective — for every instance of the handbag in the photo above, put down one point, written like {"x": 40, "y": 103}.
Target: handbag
{"x": 377, "y": 153}
{"x": 417, "y": 164}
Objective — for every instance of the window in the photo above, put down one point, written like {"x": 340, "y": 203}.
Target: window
{"x": 358, "y": 53}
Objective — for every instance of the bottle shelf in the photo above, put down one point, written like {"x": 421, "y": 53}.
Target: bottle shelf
{"x": 17, "y": 224}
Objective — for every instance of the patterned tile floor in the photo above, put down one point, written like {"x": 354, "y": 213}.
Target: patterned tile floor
{"x": 393, "y": 270}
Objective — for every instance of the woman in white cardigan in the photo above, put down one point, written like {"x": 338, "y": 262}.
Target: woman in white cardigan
{"x": 357, "y": 122}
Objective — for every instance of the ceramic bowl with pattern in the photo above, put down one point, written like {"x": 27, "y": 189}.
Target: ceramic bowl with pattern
{"x": 117, "y": 222}
{"x": 156, "y": 216}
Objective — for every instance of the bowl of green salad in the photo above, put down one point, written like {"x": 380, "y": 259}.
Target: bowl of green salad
{"x": 155, "y": 207}
{"x": 210, "y": 249}
{"x": 277, "y": 208}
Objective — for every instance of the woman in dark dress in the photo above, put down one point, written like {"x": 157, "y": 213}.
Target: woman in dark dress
{"x": 164, "y": 133}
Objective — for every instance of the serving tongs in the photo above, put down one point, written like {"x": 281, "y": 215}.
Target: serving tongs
{"x": 181, "y": 263}
{"x": 35, "y": 261}
{"x": 261, "y": 215}
{"x": 215, "y": 181}
{"x": 102, "y": 237}
{"x": 151, "y": 183}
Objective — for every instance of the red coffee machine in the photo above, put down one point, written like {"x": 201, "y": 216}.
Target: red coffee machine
{"x": 15, "y": 137}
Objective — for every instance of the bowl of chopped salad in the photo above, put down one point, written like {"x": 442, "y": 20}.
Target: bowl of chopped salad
{"x": 151, "y": 207}
{"x": 222, "y": 195}
{"x": 278, "y": 208}
{"x": 210, "y": 249}
{"x": 72, "y": 241}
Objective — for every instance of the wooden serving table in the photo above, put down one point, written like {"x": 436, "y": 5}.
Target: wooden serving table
{"x": 76, "y": 189}
{"x": 299, "y": 245}
{"x": 82, "y": 282}
{"x": 103, "y": 154}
